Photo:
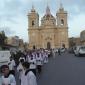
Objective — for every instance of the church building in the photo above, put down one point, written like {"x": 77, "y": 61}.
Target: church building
{"x": 51, "y": 33}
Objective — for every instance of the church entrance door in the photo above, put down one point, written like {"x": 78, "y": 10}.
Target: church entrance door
{"x": 48, "y": 45}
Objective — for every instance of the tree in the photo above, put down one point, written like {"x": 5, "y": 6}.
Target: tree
{"x": 2, "y": 38}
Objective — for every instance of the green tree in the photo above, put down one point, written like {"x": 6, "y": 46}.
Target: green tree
{"x": 3, "y": 38}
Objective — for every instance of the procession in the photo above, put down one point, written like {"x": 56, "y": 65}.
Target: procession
{"x": 28, "y": 67}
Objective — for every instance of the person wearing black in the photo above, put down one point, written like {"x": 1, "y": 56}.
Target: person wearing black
{"x": 59, "y": 52}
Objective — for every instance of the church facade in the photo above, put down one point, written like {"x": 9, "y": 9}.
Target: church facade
{"x": 51, "y": 33}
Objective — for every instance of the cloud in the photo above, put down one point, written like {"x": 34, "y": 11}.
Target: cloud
{"x": 13, "y": 14}
{"x": 76, "y": 25}
{"x": 7, "y": 30}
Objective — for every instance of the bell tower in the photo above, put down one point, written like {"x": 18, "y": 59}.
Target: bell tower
{"x": 62, "y": 25}
{"x": 33, "y": 26}
{"x": 61, "y": 17}
{"x": 33, "y": 19}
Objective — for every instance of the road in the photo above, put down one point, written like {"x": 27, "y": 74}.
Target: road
{"x": 65, "y": 69}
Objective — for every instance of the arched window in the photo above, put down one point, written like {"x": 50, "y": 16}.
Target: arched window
{"x": 33, "y": 23}
{"x": 62, "y": 22}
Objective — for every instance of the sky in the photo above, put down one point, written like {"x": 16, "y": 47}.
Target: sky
{"x": 14, "y": 20}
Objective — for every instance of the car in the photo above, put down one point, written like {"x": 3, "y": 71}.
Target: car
{"x": 82, "y": 50}
{"x": 75, "y": 50}
{"x": 79, "y": 50}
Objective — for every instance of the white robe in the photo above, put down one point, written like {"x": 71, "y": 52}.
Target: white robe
{"x": 27, "y": 58}
{"x": 20, "y": 69}
{"x": 45, "y": 57}
{"x": 32, "y": 63}
{"x": 39, "y": 59}
{"x": 53, "y": 52}
{"x": 23, "y": 79}
{"x": 10, "y": 80}
{"x": 29, "y": 79}
{"x": 11, "y": 65}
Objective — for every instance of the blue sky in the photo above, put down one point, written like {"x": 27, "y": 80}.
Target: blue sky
{"x": 13, "y": 15}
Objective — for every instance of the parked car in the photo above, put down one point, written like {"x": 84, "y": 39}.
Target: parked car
{"x": 79, "y": 50}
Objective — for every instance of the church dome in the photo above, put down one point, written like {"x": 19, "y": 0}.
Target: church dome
{"x": 48, "y": 18}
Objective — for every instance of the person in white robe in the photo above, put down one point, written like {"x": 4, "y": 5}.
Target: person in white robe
{"x": 39, "y": 62}
{"x": 53, "y": 53}
{"x": 32, "y": 61}
{"x": 12, "y": 65}
{"x": 20, "y": 69}
{"x": 28, "y": 76}
{"x": 27, "y": 57}
{"x": 45, "y": 57}
{"x": 7, "y": 78}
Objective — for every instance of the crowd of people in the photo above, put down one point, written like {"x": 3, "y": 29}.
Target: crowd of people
{"x": 28, "y": 65}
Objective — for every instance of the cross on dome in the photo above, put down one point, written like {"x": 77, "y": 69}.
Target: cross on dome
{"x": 48, "y": 10}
